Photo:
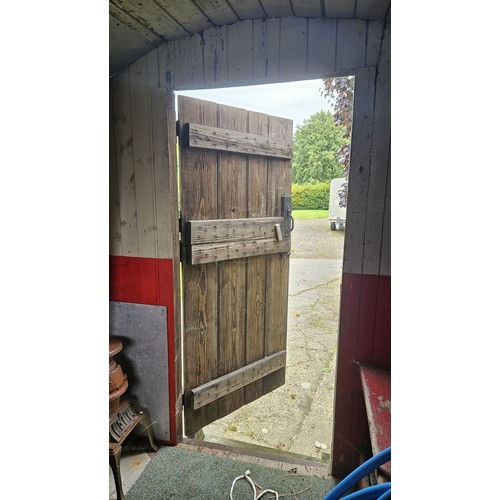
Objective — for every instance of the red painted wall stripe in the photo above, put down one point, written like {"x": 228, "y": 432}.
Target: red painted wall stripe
{"x": 148, "y": 281}
{"x": 365, "y": 337}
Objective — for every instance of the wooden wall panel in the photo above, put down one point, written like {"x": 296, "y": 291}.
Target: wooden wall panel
{"x": 322, "y": 39}
{"x": 143, "y": 159}
{"x": 373, "y": 42}
{"x": 115, "y": 236}
{"x": 293, "y": 47}
{"x": 164, "y": 177}
{"x": 270, "y": 50}
{"x": 153, "y": 69}
{"x": 215, "y": 56}
{"x": 273, "y": 35}
{"x": 359, "y": 174}
{"x": 188, "y": 60}
{"x": 385, "y": 257}
{"x": 376, "y": 196}
{"x": 240, "y": 51}
{"x": 122, "y": 119}
{"x": 351, "y": 44}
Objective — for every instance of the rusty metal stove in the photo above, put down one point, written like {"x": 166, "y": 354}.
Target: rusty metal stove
{"x": 123, "y": 418}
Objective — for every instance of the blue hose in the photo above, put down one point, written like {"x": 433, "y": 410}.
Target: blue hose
{"x": 370, "y": 493}
{"x": 357, "y": 474}
{"x": 385, "y": 495}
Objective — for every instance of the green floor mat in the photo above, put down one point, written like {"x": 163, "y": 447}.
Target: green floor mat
{"x": 183, "y": 474}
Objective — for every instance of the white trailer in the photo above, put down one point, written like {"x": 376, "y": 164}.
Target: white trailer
{"x": 336, "y": 213}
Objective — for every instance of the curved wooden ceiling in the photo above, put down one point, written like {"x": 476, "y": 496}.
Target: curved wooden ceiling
{"x": 137, "y": 26}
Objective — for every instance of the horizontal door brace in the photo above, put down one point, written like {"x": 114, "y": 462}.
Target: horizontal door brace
{"x": 211, "y": 391}
{"x": 203, "y": 136}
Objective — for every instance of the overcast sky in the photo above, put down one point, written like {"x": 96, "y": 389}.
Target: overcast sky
{"x": 294, "y": 100}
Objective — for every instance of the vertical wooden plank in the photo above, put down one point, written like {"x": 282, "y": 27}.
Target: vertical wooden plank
{"x": 258, "y": 123}
{"x": 232, "y": 174}
{"x": 164, "y": 172}
{"x": 240, "y": 51}
{"x": 373, "y": 42}
{"x": 122, "y": 120}
{"x": 385, "y": 252}
{"x": 279, "y": 182}
{"x": 152, "y": 63}
{"x": 115, "y": 237}
{"x": 293, "y": 47}
{"x": 321, "y": 41}
{"x": 166, "y": 64}
{"x": 379, "y": 162}
{"x": 143, "y": 164}
{"x": 199, "y": 190}
{"x": 268, "y": 55}
{"x": 215, "y": 55}
{"x": 189, "y": 62}
{"x": 259, "y": 49}
{"x": 351, "y": 44}
{"x": 359, "y": 172}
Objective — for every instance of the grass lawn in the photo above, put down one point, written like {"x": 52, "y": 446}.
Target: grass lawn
{"x": 309, "y": 214}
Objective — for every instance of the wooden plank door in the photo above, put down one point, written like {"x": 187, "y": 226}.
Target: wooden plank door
{"x": 235, "y": 169}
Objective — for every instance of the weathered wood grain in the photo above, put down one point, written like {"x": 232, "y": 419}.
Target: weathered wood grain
{"x": 198, "y": 175}
{"x": 143, "y": 161}
{"x": 359, "y": 172}
{"x": 240, "y": 52}
{"x": 237, "y": 379}
{"x": 219, "y": 252}
{"x": 220, "y": 230}
{"x": 115, "y": 243}
{"x": 243, "y": 183}
{"x": 321, "y": 43}
{"x": 258, "y": 123}
{"x": 293, "y": 46}
{"x": 202, "y": 136}
{"x": 122, "y": 119}
{"x": 279, "y": 182}
{"x": 231, "y": 204}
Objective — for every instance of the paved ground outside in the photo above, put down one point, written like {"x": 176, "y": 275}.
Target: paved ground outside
{"x": 298, "y": 417}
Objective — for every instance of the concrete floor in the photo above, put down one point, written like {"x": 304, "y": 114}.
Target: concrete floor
{"x": 135, "y": 457}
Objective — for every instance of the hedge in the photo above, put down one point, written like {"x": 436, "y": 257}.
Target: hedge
{"x": 311, "y": 196}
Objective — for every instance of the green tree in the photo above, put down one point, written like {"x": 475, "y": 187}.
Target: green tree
{"x": 316, "y": 143}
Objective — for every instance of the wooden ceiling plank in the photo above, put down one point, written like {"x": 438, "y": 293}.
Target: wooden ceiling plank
{"x": 277, "y": 8}
{"x": 131, "y": 22}
{"x": 187, "y": 14}
{"x": 247, "y": 9}
{"x": 368, "y": 9}
{"x": 307, "y": 8}
{"x": 218, "y": 11}
{"x": 152, "y": 17}
{"x": 340, "y": 8}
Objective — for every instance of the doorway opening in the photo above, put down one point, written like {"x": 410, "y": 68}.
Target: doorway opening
{"x": 297, "y": 417}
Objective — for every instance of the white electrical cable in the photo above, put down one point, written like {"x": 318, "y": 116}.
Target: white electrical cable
{"x": 252, "y": 484}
